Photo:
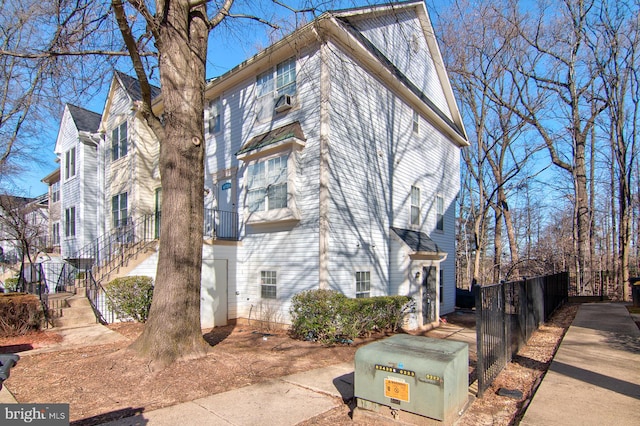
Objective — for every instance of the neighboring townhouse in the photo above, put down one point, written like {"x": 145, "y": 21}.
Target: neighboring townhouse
{"x": 332, "y": 162}
{"x": 77, "y": 148}
{"x": 339, "y": 148}
{"x": 55, "y": 223}
{"x": 130, "y": 153}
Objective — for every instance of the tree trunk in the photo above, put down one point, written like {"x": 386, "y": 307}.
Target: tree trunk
{"x": 173, "y": 330}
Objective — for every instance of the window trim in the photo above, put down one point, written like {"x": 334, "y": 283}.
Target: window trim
{"x": 440, "y": 212}
{"x": 358, "y": 280}
{"x": 274, "y": 81}
{"x": 261, "y": 277}
{"x": 116, "y": 201}
{"x": 414, "y": 212}
{"x": 415, "y": 124}
{"x": 217, "y": 127}
{"x": 70, "y": 163}
{"x": 70, "y": 222}
{"x": 122, "y": 144}
{"x": 289, "y": 147}
{"x": 55, "y": 233}
{"x": 283, "y": 70}
{"x": 272, "y": 176}
{"x": 55, "y": 192}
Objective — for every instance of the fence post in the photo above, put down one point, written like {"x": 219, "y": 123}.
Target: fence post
{"x": 480, "y": 368}
{"x": 506, "y": 324}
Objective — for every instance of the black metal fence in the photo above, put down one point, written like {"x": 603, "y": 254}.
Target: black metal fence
{"x": 45, "y": 278}
{"x": 507, "y": 314}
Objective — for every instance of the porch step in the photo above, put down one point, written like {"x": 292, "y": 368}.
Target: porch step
{"x": 78, "y": 312}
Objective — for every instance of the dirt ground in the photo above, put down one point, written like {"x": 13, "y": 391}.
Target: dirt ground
{"x": 105, "y": 382}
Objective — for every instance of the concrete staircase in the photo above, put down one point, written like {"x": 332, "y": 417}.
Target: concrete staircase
{"x": 71, "y": 310}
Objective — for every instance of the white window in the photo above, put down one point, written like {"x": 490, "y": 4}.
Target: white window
{"x": 286, "y": 77}
{"x": 119, "y": 142}
{"x": 70, "y": 222}
{"x": 415, "y": 205}
{"x": 214, "y": 120}
{"x": 416, "y": 122}
{"x": 55, "y": 234}
{"x": 268, "y": 284}
{"x": 55, "y": 192}
{"x": 285, "y": 80}
{"x": 363, "y": 284}
{"x": 439, "y": 212}
{"x": 264, "y": 83}
{"x": 267, "y": 184}
{"x": 70, "y": 163}
{"x": 119, "y": 210}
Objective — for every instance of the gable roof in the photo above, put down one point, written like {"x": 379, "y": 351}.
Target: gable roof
{"x": 132, "y": 86}
{"x": 335, "y": 26}
{"x": 85, "y": 120}
{"x": 391, "y": 67}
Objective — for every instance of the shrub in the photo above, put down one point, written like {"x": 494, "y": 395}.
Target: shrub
{"x": 19, "y": 314}
{"x": 11, "y": 284}
{"x": 328, "y": 316}
{"x": 314, "y": 314}
{"x": 130, "y": 297}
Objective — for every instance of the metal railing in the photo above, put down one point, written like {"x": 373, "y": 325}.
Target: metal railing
{"x": 98, "y": 300}
{"x": 31, "y": 280}
{"x": 112, "y": 250}
{"x": 507, "y": 314}
{"x": 219, "y": 224}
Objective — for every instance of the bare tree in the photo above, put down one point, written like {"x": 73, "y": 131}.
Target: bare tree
{"x": 477, "y": 66}
{"x": 43, "y": 62}
{"x": 615, "y": 43}
{"x": 556, "y": 98}
{"x": 179, "y": 30}
{"x": 23, "y": 225}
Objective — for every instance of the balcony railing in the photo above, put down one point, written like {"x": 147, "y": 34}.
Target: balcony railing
{"x": 220, "y": 225}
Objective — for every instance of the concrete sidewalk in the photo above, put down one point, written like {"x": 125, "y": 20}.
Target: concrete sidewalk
{"x": 285, "y": 401}
{"x": 594, "y": 378}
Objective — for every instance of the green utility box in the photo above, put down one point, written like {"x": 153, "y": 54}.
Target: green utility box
{"x": 420, "y": 375}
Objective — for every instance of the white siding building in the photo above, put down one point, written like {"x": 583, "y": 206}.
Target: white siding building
{"x": 77, "y": 150}
{"x": 339, "y": 148}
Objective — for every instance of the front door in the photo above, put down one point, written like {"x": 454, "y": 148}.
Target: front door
{"x": 225, "y": 216}
{"x": 429, "y": 299}
{"x": 214, "y": 294}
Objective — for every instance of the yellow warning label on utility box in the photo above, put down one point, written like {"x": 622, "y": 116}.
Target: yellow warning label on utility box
{"x": 395, "y": 389}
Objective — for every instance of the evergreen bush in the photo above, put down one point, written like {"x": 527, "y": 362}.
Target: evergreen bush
{"x": 130, "y": 297}
{"x": 328, "y": 316}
